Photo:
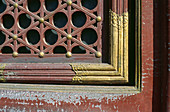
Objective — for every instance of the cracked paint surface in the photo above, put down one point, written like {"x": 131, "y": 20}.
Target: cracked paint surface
{"x": 66, "y": 102}
{"x": 60, "y": 101}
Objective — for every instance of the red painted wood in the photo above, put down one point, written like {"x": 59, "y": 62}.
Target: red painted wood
{"x": 42, "y": 73}
{"x": 37, "y": 66}
{"x": 119, "y": 6}
{"x": 60, "y": 58}
{"x": 38, "y": 78}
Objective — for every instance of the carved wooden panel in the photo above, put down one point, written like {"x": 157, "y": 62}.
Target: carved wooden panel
{"x": 47, "y": 28}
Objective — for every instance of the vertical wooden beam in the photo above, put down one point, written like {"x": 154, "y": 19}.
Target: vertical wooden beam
{"x": 119, "y": 6}
{"x": 160, "y": 83}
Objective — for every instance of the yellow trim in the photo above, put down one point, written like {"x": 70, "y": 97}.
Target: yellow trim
{"x": 2, "y": 67}
{"x": 104, "y": 73}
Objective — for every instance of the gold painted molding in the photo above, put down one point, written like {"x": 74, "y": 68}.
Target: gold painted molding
{"x": 117, "y": 72}
{"x": 119, "y": 42}
{"x": 2, "y": 67}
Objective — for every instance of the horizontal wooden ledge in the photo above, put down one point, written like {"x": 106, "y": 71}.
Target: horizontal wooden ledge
{"x": 71, "y": 72}
{"x": 35, "y": 78}
{"x": 69, "y": 79}
{"x": 97, "y": 73}
{"x": 69, "y": 88}
{"x": 36, "y": 66}
{"x": 45, "y": 59}
{"x": 38, "y": 73}
{"x": 99, "y": 79}
{"x": 91, "y": 67}
{"x": 57, "y": 66}
{"x": 58, "y": 73}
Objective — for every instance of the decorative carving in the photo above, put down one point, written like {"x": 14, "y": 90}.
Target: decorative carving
{"x": 119, "y": 42}
{"x": 87, "y": 72}
{"x": 77, "y": 79}
{"x": 2, "y": 67}
{"x": 68, "y": 36}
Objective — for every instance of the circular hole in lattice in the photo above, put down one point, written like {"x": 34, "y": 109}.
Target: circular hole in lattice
{"x": 51, "y": 5}
{"x": 24, "y": 50}
{"x": 2, "y": 6}
{"x": 33, "y": 37}
{"x": 78, "y": 50}
{"x": 2, "y": 37}
{"x": 59, "y": 50}
{"x": 33, "y": 5}
{"x": 8, "y": 21}
{"x": 51, "y": 36}
{"x": 89, "y": 4}
{"x": 89, "y": 36}
{"x": 78, "y": 19}
{"x": 6, "y": 50}
{"x": 60, "y": 20}
{"x": 24, "y": 21}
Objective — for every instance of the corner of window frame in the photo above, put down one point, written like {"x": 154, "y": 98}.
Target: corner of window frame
{"x": 114, "y": 73}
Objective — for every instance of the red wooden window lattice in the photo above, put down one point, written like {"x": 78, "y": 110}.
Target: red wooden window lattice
{"x": 47, "y": 28}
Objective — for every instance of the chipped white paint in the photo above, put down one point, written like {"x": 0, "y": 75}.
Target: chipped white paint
{"x": 144, "y": 75}
{"x": 49, "y": 97}
{"x": 98, "y": 106}
{"x": 56, "y": 98}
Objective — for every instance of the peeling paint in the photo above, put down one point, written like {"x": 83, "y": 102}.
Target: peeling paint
{"x": 67, "y": 97}
{"x": 43, "y": 98}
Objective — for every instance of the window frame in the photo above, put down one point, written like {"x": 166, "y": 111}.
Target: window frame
{"x": 116, "y": 76}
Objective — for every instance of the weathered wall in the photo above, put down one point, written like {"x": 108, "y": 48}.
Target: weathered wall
{"x": 58, "y": 101}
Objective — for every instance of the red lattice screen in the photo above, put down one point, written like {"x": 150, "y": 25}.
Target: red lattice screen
{"x": 51, "y": 28}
